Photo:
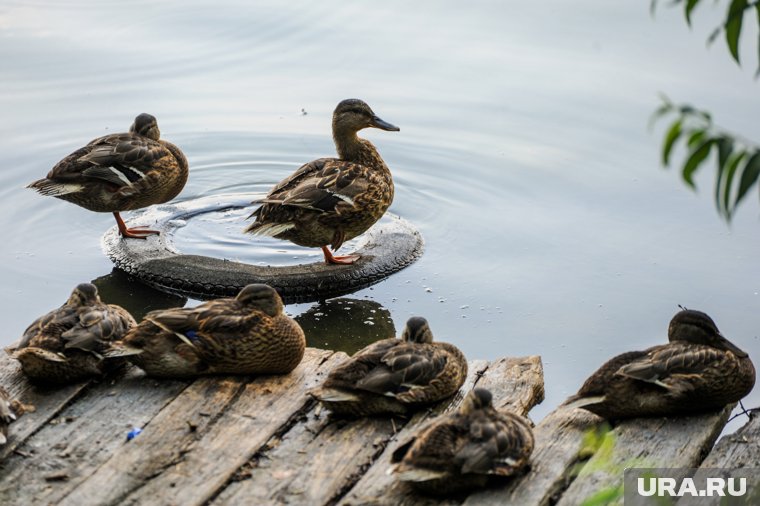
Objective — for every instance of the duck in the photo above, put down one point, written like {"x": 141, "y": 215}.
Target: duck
{"x": 697, "y": 371}
{"x": 395, "y": 376}
{"x": 465, "y": 449}
{"x": 331, "y": 200}
{"x": 68, "y": 343}
{"x": 120, "y": 172}
{"x": 247, "y": 334}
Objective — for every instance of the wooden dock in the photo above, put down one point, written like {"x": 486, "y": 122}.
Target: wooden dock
{"x": 256, "y": 441}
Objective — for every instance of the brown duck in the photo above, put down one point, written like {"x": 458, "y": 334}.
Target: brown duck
{"x": 395, "y": 375}
{"x": 332, "y": 200}
{"x": 699, "y": 370}
{"x": 68, "y": 343}
{"x": 249, "y": 334}
{"x": 120, "y": 172}
{"x": 10, "y": 409}
{"x": 465, "y": 449}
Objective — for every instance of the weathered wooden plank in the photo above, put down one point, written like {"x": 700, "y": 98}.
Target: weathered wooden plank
{"x": 516, "y": 384}
{"x": 559, "y": 437}
{"x": 47, "y": 402}
{"x": 314, "y": 461}
{"x": 740, "y": 449}
{"x": 653, "y": 442}
{"x": 68, "y": 449}
{"x": 182, "y": 459}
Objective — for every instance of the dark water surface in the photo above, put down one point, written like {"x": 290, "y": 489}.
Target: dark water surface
{"x": 523, "y": 158}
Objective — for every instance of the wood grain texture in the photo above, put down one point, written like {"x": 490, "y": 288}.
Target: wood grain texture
{"x": 516, "y": 384}
{"x": 740, "y": 449}
{"x": 198, "y": 442}
{"x": 648, "y": 442}
{"x": 68, "y": 449}
{"x": 48, "y": 401}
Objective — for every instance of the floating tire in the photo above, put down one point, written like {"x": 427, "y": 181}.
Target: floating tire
{"x": 389, "y": 246}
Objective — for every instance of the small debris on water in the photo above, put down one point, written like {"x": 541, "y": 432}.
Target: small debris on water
{"x": 133, "y": 433}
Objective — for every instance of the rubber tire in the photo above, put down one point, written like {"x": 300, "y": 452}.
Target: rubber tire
{"x": 387, "y": 247}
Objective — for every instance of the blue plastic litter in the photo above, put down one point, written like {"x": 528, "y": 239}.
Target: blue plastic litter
{"x": 133, "y": 433}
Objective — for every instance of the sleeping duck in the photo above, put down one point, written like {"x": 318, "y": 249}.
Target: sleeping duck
{"x": 395, "y": 376}
{"x": 120, "y": 172}
{"x": 699, "y": 370}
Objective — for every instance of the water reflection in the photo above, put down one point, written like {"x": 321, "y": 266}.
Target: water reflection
{"x": 346, "y": 324}
{"x": 120, "y": 288}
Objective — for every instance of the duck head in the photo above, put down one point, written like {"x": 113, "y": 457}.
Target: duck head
{"x": 352, "y": 115}
{"x": 477, "y": 398}
{"x": 146, "y": 125}
{"x": 417, "y": 330}
{"x": 698, "y": 328}
{"x": 84, "y": 294}
{"x": 261, "y": 297}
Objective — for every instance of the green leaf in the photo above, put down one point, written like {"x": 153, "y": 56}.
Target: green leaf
{"x": 733, "y": 26}
{"x": 688, "y": 7}
{"x": 694, "y": 161}
{"x": 730, "y": 171}
{"x": 725, "y": 148}
{"x": 695, "y": 138}
{"x": 749, "y": 177}
{"x": 674, "y": 132}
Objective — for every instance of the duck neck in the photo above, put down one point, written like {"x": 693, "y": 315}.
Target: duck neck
{"x": 352, "y": 148}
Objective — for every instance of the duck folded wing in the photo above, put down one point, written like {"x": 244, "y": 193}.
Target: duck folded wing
{"x": 119, "y": 160}
{"x": 94, "y": 328}
{"x": 671, "y": 366}
{"x": 321, "y": 186}
{"x": 406, "y": 366}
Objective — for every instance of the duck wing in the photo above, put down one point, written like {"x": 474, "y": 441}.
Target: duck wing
{"x": 404, "y": 367}
{"x": 321, "y": 185}
{"x": 96, "y": 327}
{"x": 124, "y": 161}
{"x": 49, "y": 327}
{"x": 676, "y": 366}
{"x": 496, "y": 445}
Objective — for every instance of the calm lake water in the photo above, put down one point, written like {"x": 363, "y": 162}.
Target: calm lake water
{"x": 523, "y": 157}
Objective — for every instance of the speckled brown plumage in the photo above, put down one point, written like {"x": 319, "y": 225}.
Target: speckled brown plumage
{"x": 395, "y": 375}
{"x": 10, "y": 409}
{"x": 698, "y": 370}
{"x": 249, "y": 334}
{"x": 330, "y": 201}
{"x": 462, "y": 450}
{"x": 120, "y": 172}
{"x": 68, "y": 343}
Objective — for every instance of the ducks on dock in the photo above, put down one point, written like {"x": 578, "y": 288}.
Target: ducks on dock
{"x": 332, "y": 200}
{"x": 248, "y": 334}
{"x": 120, "y": 172}
{"x": 395, "y": 375}
{"x": 465, "y": 449}
{"x": 69, "y": 343}
{"x": 699, "y": 370}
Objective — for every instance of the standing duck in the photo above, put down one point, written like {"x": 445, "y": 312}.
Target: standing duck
{"x": 249, "y": 334}
{"x": 462, "y": 450}
{"x": 120, "y": 172}
{"x": 68, "y": 343}
{"x": 395, "y": 376}
{"x": 332, "y": 200}
{"x": 699, "y": 370}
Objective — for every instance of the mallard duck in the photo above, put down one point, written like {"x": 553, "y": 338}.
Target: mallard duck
{"x": 698, "y": 370}
{"x": 120, "y": 172}
{"x": 249, "y": 334}
{"x": 462, "y": 450}
{"x": 395, "y": 376}
{"x": 332, "y": 200}
{"x": 68, "y": 343}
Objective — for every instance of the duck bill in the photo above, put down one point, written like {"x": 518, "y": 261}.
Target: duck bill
{"x": 728, "y": 345}
{"x": 384, "y": 125}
